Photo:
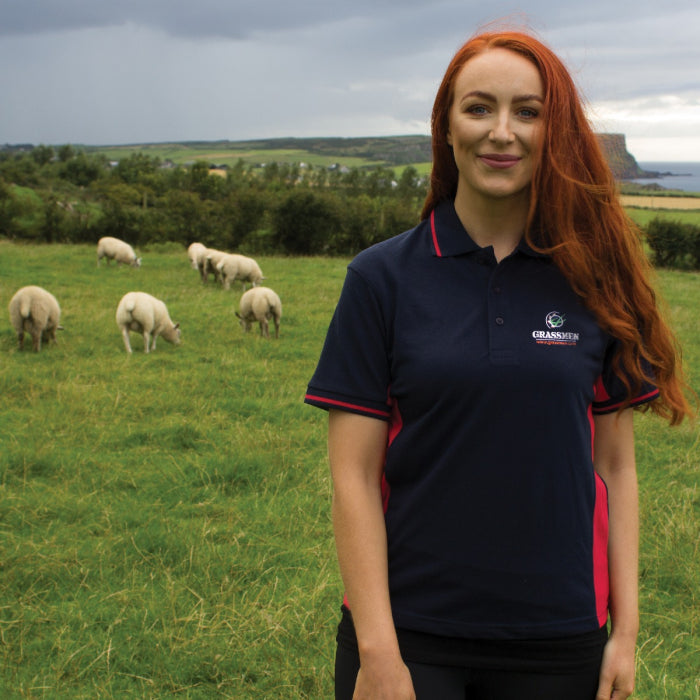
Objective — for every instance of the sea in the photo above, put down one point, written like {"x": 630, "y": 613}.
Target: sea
{"x": 684, "y": 176}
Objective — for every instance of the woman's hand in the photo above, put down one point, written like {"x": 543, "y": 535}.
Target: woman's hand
{"x": 617, "y": 670}
{"x": 384, "y": 679}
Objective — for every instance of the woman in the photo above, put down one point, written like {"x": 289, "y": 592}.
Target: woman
{"x": 480, "y": 372}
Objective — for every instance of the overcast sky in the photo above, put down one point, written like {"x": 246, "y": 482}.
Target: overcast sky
{"x": 135, "y": 71}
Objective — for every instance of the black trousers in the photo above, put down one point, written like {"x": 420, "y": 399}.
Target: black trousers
{"x": 434, "y": 682}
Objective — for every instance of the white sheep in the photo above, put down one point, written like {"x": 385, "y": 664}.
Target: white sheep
{"x": 239, "y": 267}
{"x": 35, "y": 311}
{"x": 194, "y": 251}
{"x": 143, "y": 313}
{"x": 201, "y": 263}
{"x": 114, "y": 249}
{"x": 207, "y": 262}
{"x": 260, "y": 304}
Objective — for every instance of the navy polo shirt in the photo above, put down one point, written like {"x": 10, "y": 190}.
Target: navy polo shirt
{"x": 489, "y": 375}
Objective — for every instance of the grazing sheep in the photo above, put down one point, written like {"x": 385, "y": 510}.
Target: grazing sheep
{"x": 260, "y": 304}
{"x": 114, "y": 249}
{"x": 239, "y": 267}
{"x": 35, "y": 311}
{"x": 207, "y": 263}
{"x": 143, "y": 313}
{"x": 201, "y": 263}
{"x": 193, "y": 253}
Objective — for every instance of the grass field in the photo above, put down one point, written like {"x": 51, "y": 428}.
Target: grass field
{"x": 164, "y": 518}
{"x": 643, "y": 216}
{"x": 183, "y": 154}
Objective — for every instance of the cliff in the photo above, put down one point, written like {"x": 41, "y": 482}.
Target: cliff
{"x": 621, "y": 161}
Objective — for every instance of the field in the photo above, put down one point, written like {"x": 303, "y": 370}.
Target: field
{"x": 182, "y": 154}
{"x": 661, "y": 202}
{"x": 250, "y": 152}
{"x": 164, "y": 520}
{"x": 642, "y": 216}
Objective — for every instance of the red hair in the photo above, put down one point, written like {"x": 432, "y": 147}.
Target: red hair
{"x": 576, "y": 217}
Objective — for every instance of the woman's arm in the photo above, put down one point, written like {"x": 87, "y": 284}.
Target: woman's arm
{"x": 614, "y": 461}
{"x": 356, "y": 449}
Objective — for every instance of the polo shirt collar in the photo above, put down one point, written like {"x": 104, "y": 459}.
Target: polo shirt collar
{"x": 450, "y": 238}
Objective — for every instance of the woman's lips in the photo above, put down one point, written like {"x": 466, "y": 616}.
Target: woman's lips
{"x": 499, "y": 160}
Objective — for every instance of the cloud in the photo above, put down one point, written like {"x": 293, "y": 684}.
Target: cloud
{"x": 235, "y": 19}
{"x": 141, "y": 70}
{"x": 642, "y": 116}
{"x": 239, "y": 19}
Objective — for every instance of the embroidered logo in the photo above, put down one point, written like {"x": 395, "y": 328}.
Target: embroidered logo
{"x": 554, "y": 321}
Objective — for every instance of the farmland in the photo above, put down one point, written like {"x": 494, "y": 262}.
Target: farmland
{"x": 165, "y": 527}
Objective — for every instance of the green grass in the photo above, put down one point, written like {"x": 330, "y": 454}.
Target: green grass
{"x": 643, "y": 216}
{"x": 164, "y": 518}
{"x": 230, "y": 154}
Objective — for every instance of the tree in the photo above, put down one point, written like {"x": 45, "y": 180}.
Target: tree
{"x": 360, "y": 226}
{"x": 304, "y": 222}
{"x": 243, "y": 213}
{"x": 187, "y": 214}
{"x": 135, "y": 167}
{"x": 206, "y": 185}
{"x": 65, "y": 153}
{"x": 379, "y": 182}
{"x": 6, "y": 209}
{"x": 42, "y": 154}
{"x": 54, "y": 217}
{"x": 668, "y": 241}
{"x": 82, "y": 170}
{"x": 409, "y": 184}
{"x": 20, "y": 170}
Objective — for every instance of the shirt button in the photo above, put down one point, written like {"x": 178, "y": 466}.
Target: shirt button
{"x": 499, "y": 320}
{"x": 497, "y": 290}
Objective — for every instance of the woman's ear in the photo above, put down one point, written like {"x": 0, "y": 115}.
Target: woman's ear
{"x": 449, "y": 138}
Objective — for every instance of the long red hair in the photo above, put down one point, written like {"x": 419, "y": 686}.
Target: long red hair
{"x": 576, "y": 217}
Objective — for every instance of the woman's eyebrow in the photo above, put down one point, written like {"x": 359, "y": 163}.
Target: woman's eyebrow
{"x": 488, "y": 96}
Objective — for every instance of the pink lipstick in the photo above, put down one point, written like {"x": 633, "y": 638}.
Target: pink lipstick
{"x": 499, "y": 160}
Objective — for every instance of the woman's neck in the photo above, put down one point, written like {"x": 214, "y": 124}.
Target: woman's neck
{"x": 495, "y": 222}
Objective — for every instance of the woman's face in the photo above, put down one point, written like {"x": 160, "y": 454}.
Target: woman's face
{"x": 495, "y": 125}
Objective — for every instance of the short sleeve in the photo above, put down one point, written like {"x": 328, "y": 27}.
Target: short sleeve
{"x": 353, "y": 372}
{"x": 610, "y": 389}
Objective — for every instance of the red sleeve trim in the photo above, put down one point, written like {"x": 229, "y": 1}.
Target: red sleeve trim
{"x": 635, "y": 402}
{"x": 601, "y": 580}
{"x": 346, "y": 405}
{"x": 434, "y": 233}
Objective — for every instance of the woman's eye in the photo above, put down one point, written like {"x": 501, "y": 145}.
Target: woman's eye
{"x": 477, "y": 109}
{"x": 528, "y": 113}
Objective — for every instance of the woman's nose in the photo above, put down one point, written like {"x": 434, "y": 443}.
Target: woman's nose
{"x": 502, "y": 131}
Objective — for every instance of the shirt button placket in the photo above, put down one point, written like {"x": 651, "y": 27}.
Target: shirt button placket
{"x": 500, "y": 342}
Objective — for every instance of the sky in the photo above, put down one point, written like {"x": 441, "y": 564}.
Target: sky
{"x": 104, "y": 72}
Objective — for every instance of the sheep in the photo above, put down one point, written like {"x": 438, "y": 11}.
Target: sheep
{"x": 207, "y": 262}
{"x": 260, "y": 304}
{"x": 35, "y": 311}
{"x": 239, "y": 267}
{"x": 200, "y": 263}
{"x": 143, "y": 313}
{"x": 193, "y": 253}
{"x": 114, "y": 249}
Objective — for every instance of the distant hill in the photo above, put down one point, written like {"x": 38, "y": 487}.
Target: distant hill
{"x": 404, "y": 150}
{"x": 391, "y": 151}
